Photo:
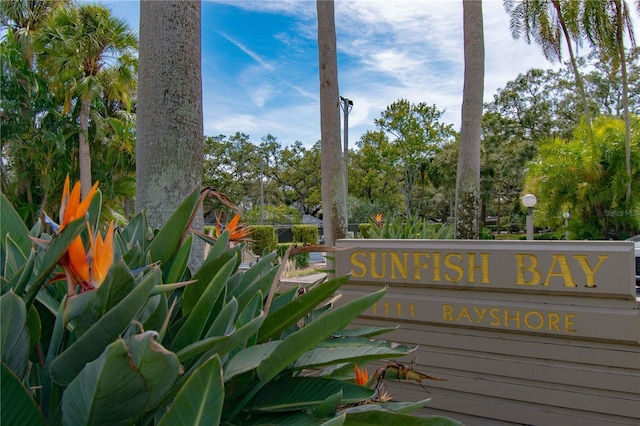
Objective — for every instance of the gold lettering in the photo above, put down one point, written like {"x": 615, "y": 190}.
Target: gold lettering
{"x": 565, "y": 272}
{"x": 493, "y": 312}
{"x": 554, "y": 319}
{"x": 418, "y": 265}
{"x": 521, "y": 269}
{"x": 464, "y": 313}
{"x": 374, "y": 270}
{"x": 480, "y": 313}
{"x": 455, "y": 267}
{"x": 484, "y": 267}
{"x": 540, "y": 320}
{"x": 396, "y": 263}
{"x": 436, "y": 266}
{"x": 447, "y": 312}
{"x": 357, "y": 263}
{"x": 569, "y": 320}
{"x": 588, "y": 271}
{"x": 507, "y": 317}
{"x": 412, "y": 309}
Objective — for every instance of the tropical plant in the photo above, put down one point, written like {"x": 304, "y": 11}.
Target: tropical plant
{"x": 409, "y": 227}
{"x": 587, "y": 178}
{"x": 151, "y": 342}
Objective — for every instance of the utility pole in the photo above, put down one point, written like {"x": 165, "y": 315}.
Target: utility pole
{"x": 346, "y": 105}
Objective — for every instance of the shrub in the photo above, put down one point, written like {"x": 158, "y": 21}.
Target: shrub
{"x": 152, "y": 342}
{"x": 305, "y": 234}
{"x": 264, "y": 238}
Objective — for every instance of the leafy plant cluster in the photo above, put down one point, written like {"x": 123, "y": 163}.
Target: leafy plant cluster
{"x": 155, "y": 343}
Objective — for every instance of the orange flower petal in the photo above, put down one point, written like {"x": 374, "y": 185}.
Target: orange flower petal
{"x": 102, "y": 252}
{"x": 362, "y": 376}
{"x": 78, "y": 261}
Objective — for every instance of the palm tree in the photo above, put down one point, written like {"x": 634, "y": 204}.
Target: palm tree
{"x": 468, "y": 176}
{"x": 22, "y": 20}
{"x": 79, "y": 45}
{"x": 604, "y": 25}
{"x": 169, "y": 130}
{"x": 548, "y": 22}
{"x": 333, "y": 208}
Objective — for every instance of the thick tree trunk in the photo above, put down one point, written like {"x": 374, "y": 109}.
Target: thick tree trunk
{"x": 333, "y": 208}
{"x": 468, "y": 176}
{"x": 170, "y": 136}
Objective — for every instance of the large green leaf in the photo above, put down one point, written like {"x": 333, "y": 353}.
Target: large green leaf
{"x": 20, "y": 280}
{"x": 107, "y": 329}
{"x": 16, "y": 405}
{"x": 202, "y": 278}
{"x": 298, "y": 393}
{"x": 177, "y": 264}
{"x": 12, "y": 226}
{"x": 279, "y": 320}
{"x": 200, "y": 400}
{"x": 194, "y": 327}
{"x": 384, "y": 418}
{"x": 306, "y": 338}
{"x": 223, "y": 323}
{"x": 248, "y": 359}
{"x": 117, "y": 285}
{"x": 14, "y": 334}
{"x": 168, "y": 239}
{"x": 14, "y": 259}
{"x": 350, "y": 349}
{"x": 128, "y": 378}
{"x": 222, "y": 344}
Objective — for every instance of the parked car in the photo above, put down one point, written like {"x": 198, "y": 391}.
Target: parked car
{"x": 636, "y": 241}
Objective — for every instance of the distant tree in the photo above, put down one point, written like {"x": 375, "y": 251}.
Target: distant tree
{"x": 548, "y": 23}
{"x": 170, "y": 137}
{"x": 299, "y": 177}
{"x": 333, "y": 199}
{"x": 468, "y": 175}
{"x": 409, "y": 136}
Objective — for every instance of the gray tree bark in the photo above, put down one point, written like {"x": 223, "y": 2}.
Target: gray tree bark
{"x": 468, "y": 176}
{"x": 333, "y": 191}
{"x": 170, "y": 135}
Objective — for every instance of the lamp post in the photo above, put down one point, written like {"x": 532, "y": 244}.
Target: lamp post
{"x": 566, "y": 216}
{"x": 346, "y": 105}
{"x": 529, "y": 200}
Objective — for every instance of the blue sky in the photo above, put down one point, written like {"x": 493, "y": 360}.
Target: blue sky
{"x": 260, "y": 74}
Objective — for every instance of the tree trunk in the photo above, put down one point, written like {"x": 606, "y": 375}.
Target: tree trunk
{"x": 170, "y": 136}
{"x": 468, "y": 176}
{"x": 625, "y": 94}
{"x": 333, "y": 209}
{"x": 84, "y": 152}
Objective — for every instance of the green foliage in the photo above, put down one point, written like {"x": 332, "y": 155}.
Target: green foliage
{"x": 410, "y": 227}
{"x": 364, "y": 229}
{"x": 586, "y": 177}
{"x": 147, "y": 348}
{"x": 305, "y": 234}
{"x": 264, "y": 238}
